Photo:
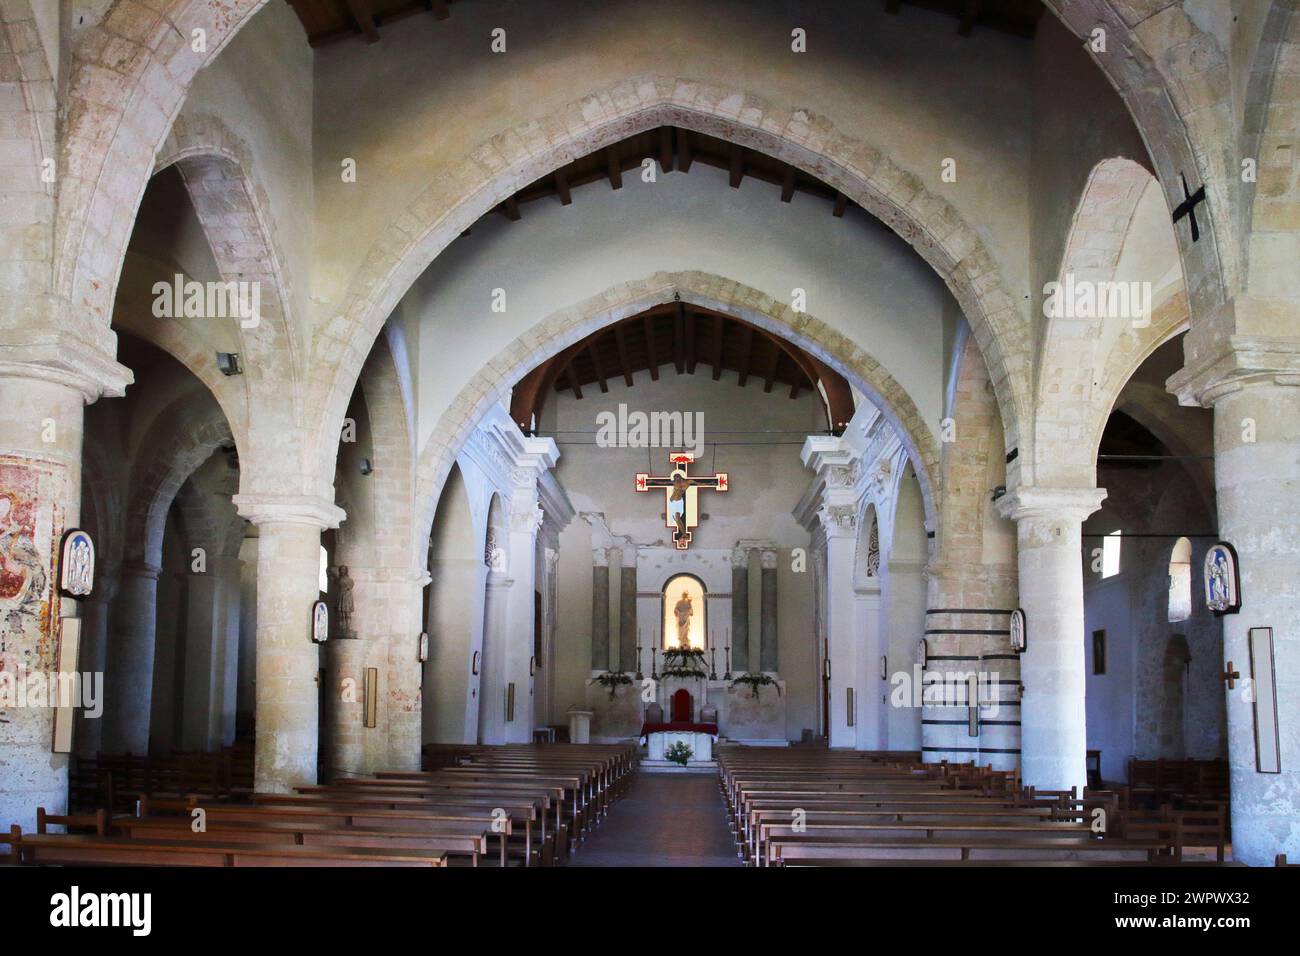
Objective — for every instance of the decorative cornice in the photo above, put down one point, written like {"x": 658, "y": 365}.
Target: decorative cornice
{"x": 1243, "y": 362}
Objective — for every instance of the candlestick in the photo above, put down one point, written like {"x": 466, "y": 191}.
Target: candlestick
{"x": 654, "y": 673}
{"x": 713, "y": 664}
{"x": 638, "y": 659}
{"x": 727, "y": 675}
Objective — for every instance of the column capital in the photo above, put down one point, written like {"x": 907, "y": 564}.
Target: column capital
{"x": 141, "y": 569}
{"x": 1245, "y": 342}
{"x": 837, "y": 521}
{"x": 769, "y": 560}
{"x": 310, "y": 510}
{"x": 64, "y": 359}
{"x": 1056, "y": 504}
{"x": 600, "y": 557}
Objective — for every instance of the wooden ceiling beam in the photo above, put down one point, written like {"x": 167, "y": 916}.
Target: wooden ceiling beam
{"x": 613, "y": 168}
{"x": 562, "y": 187}
{"x": 684, "y": 155}
{"x": 689, "y": 337}
{"x": 737, "y": 160}
{"x": 746, "y": 354}
{"x": 511, "y": 205}
{"x": 839, "y": 394}
{"x": 666, "y": 149}
{"x": 593, "y": 352}
{"x": 649, "y": 324}
{"x": 438, "y": 8}
{"x": 624, "y": 364}
{"x": 365, "y": 19}
{"x": 679, "y": 338}
{"x": 769, "y": 373}
{"x": 787, "y": 184}
{"x": 573, "y": 381}
{"x": 841, "y": 203}
{"x": 969, "y": 15}
{"x": 719, "y": 327}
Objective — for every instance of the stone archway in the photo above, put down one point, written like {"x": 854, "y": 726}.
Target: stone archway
{"x": 499, "y": 374}
{"x": 1175, "y": 79}
{"x": 518, "y": 156}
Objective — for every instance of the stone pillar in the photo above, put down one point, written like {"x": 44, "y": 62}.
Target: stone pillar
{"x": 1049, "y": 524}
{"x": 345, "y": 744}
{"x": 739, "y": 610}
{"x": 525, "y": 521}
{"x": 45, "y": 382}
{"x": 1245, "y": 363}
{"x": 288, "y": 582}
{"x": 767, "y": 653}
{"x": 89, "y": 736}
{"x": 627, "y": 612}
{"x": 405, "y": 673}
{"x": 492, "y": 682}
{"x": 211, "y": 654}
{"x": 870, "y": 692}
{"x": 838, "y": 523}
{"x": 599, "y": 609}
{"x": 129, "y": 677}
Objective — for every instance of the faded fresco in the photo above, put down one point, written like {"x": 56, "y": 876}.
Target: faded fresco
{"x": 31, "y": 525}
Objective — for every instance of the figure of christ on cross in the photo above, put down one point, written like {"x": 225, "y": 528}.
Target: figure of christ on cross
{"x": 681, "y": 495}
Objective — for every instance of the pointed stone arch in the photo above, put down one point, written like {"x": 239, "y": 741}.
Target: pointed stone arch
{"x": 517, "y": 156}
{"x": 499, "y": 374}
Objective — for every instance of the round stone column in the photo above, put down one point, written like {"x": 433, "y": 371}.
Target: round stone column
{"x": 288, "y": 663}
{"x": 1243, "y": 360}
{"x": 345, "y": 745}
{"x": 768, "y": 657}
{"x": 1258, "y": 494}
{"x": 1049, "y": 524}
{"x": 129, "y": 677}
{"x": 46, "y": 380}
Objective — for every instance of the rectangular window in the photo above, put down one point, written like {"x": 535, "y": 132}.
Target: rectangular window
{"x": 1110, "y": 554}
{"x": 1099, "y": 652}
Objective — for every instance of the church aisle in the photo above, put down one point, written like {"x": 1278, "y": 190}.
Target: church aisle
{"x": 665, "y": 820}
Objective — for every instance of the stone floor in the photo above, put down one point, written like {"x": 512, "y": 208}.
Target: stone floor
{"x": 664, "y": 820}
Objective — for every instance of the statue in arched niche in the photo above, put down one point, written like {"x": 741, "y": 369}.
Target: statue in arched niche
{"x": 682, "y": 611}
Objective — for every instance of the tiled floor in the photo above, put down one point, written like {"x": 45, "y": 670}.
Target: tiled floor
{"x": 664, "y": 820}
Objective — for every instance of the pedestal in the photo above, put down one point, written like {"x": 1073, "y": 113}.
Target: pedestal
{"x": 579, "y": 726}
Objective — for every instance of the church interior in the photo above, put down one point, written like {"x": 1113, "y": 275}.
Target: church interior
{"x": 738, "y": 433}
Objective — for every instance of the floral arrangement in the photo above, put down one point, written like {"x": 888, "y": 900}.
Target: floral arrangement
{"x": 682, "y": 662}
{"x": 755, "y": 681}
{"x": 612, "y": 680}
{"x": 679, "y": 753}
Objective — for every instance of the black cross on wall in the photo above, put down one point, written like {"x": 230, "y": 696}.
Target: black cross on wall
{"x": 1188, "y": 207}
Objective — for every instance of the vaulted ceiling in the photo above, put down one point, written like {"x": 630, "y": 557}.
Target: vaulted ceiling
{"x": 330, "y": 21}
{"x": 689, "y": 340}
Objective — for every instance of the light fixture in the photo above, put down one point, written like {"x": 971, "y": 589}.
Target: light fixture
{"x": 228, "y": 363}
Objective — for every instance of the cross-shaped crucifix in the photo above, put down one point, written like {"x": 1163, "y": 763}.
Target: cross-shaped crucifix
{"x": 681, "y": 495}
{"x": 1231, "y": 676}
{"x": 1188, "y": 207}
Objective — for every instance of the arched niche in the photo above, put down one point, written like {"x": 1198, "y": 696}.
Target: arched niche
{"x": 677, "y": 590}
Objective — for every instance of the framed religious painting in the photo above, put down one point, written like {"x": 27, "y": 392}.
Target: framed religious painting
{"x": 77, "y": 564}
{"x": 320, "y": 623}
{"x": 1019, "y": 638}
{"x": 1222, "y": 580}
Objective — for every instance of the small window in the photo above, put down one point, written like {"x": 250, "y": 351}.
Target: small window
{"x": 1110, "y": 554}
{"x": 1099, "y": 652}
{"x": 1180, "y": 581}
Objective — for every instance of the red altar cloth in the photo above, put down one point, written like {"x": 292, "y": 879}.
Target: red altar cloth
{"x": 681, "y": 726}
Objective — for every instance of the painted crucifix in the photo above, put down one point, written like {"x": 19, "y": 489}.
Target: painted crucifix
{"x": 681, "y": 494}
